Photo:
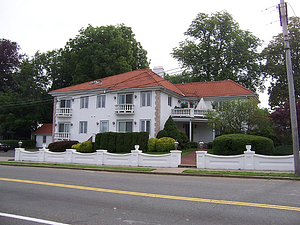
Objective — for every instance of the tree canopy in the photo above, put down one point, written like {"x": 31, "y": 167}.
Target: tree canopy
{"x": 275, "y": 67}
{"x": 217, "y": 49}
{"x": 98, "y": 52}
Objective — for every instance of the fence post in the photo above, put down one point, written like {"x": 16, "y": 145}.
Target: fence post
{"x": 249, "y": 158}
{"x": 41, "y": 156}
{"x": 135, "y": 157}
{"x": 69, "y": 155}
{"x": 201, "y": 159}
{"x": 100, "y": 157}
{"x": 175, "y": 158}
{"x": 17, "y": 153}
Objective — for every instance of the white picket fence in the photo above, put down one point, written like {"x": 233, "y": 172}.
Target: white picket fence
{"x": 101, "y": 157}
{"x": 247, "y": 161}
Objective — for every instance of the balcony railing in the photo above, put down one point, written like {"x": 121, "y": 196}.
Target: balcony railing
{"x": 64, "y": 112}
{"x": 124, "y": 109}
{"x": 188, "y": 112}
{"x": 62, "y": 136}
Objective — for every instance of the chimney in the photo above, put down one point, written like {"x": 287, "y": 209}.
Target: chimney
{"x": 159, "y": 70}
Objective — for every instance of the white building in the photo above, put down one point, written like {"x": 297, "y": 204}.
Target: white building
{"x": 137, "y": 101}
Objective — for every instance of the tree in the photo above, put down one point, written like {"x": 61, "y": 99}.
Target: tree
{"x": 275, "y": 67}
{"x": 240, "y": 116}
{"x": 10, "y": 59}
{"x": 281, "y": 119}
{"x": 217, "y": 49}
{"x": 100, "y": 52}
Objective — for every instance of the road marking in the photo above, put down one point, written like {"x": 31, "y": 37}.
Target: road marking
{"x": 30, "y": 219}
{"x": 173, "y": 197}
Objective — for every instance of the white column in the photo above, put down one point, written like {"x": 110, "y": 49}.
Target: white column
{"x": 249, "y": 158}
{"x": 135, "y": 157}
{"x": 175, "y": 158}
{"x": 200, "y": 159}
{"x": 100, "y": 157}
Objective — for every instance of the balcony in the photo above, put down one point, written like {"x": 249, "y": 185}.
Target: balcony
{"x": 189, "y": 112}
{"x": 64, "y": 112}
{"x": 62, "y": 136}
{"x": 126, "y": 109}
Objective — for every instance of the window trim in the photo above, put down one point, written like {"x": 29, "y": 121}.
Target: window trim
{"x": 83, "y": 127}
{"x": 99, "y": 103}
{"x": 100, "y": 128}
{"x": 84, "y": 102}
{"x": 145, "y": 125}
{"x": 125, "y": 121}
{"x": 145, "y": 102}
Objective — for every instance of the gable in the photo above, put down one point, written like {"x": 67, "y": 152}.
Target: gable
{"x": 44, "y": 129}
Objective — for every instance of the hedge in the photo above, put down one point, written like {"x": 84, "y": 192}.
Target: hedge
{"x": 61, "y": 146}
{"x": 121, "y": 142}
{"x": 234, "y": 144}
{"x": 14, "y": 143}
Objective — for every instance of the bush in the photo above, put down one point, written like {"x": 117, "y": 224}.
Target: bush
{"x": 97, "y": 141}
{"x": 165, "y": 144}
{"x": 143, "y": 138}
{"x": 61, "y": 146}
{"x": 84, "y": 147}
{"x": 152, "y": 145}
{"x": 283, "y": 150}
{"x": 182, "y": 139}
{"x": 193, "y": 144}
{"x": 209, "y": 145}
{"x": 171, "y": 128}
{"x": 161, "y": 133}
{"x": 234, "y": 144}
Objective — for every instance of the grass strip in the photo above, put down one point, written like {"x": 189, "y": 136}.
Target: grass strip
{"x": 80, "y": 166}
{"x": 244, "y": 173}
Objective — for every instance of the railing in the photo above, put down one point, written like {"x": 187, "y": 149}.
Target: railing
{"x": 64, "y": 112}
{"x": 188, "y": 112}
{"x": 62, "y": 136}
{"x": 124, "y": 109}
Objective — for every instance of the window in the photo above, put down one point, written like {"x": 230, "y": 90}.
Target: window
{"x": 44, "y": 139}
{"x": 125, "y": 98}
{"x": 103, "y": 126}
{"x": 146, "y": 98}
{"x": 125, "y": 126}
{"x": 145, "y": 126}
{"x": 101, "y": 101}
{"x": 65, "y": 103}
{"x": 84, "y": 102}
{"x": 82, "y": 127}
{"x": 63, "y": 127}
{"x": 169, "y": 101}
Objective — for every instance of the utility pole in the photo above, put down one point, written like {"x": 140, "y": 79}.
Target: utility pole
{"x": 284, "y": 23}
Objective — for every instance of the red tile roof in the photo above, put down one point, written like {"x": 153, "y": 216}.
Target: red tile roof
{"x": 147, "y": 78}
{"x": 213, "y": 88}
{"x": 44, "y": 129}
{"x": 133, "y": 79}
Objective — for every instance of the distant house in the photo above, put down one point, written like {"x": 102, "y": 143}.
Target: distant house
{"x": 139, "y": 100}
{"x": 43, "y": 135}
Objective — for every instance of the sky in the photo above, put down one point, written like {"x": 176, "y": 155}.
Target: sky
{"x": 159, "y": 25}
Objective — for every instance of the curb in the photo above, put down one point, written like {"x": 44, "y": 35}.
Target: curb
{"x": 158, "y": 172}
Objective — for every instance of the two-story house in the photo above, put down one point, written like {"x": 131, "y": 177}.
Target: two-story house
{"x": 137, "y": 101}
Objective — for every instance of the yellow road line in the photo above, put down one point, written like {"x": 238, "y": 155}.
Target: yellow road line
{"x": 224, "y": 202}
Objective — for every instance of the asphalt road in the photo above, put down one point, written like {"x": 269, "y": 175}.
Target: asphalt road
{"x": 86, "y": 197}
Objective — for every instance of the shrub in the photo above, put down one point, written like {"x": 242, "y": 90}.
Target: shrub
{"x": 234, "y": 144}
{"x": 120, "y": 142}
{"x": 165, "y": 144}
{"x": 161, "y": 133}
{"x": 97, "y": 141}
{"x": 61, "y": 146}
{"x": 84, "y": 147}
{"x": 283, "y": 150}
{"x": 193, "y": 144}
{"x": 143, "y": 138}
{"x": 209, "y": 145}
{"x": 171, "y": 128}
{"x": 182, "y": 139}
{"x": 152, "y": 145}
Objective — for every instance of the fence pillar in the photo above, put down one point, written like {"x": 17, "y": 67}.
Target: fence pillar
{"x": 135, "y": 157}
{"x": 201, "y": 159}
{"x": 175, "y": 158}
{"x": 69, "y": 155}
{"x": 41, "y": 155}
{"x": 100, "y": 157}
{"x": 17, "y": 153}
{"x": 249, "y": 158}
